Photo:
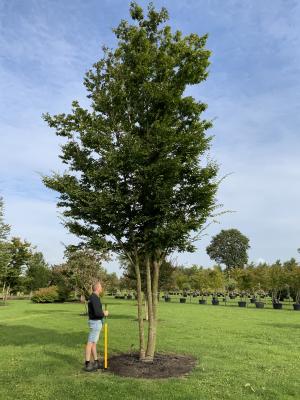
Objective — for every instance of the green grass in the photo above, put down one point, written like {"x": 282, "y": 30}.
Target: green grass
{"x": 242, "y": 353}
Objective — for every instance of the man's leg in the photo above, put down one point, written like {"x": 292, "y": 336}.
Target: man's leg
{"x": 88, "y": 351}
{"x": 94, "y": 351}
{"x": 92, "y": 338}
{"x": 89, "y": 366}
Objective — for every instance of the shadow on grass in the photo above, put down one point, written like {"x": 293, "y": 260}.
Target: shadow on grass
{"x": 45, "y": 311}
{"x": 22, "y": 335}
{"x": 282, "y": 325}
{"x": 120, "y": 316}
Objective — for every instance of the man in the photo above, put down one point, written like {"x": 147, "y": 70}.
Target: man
{"x": 96, "y": 315}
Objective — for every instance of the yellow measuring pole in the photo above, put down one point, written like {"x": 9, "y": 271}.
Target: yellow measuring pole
{"x": 105, "y": 342}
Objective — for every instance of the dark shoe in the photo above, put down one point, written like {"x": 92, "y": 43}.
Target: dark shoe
{"x": 98, "y": 364}
{"x": 90, "y": 367}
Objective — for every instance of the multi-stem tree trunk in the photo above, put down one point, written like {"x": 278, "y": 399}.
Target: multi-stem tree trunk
{"x": 151, "y": 300}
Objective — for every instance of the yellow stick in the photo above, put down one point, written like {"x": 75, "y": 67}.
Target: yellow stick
{"x": 105, "y": 345}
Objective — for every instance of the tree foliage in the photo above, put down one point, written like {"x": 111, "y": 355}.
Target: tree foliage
{"x": 38, "y": 273}
{"x": 229, "y": 247}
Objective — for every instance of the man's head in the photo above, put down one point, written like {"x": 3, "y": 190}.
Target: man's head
{"x": 97, "y": 287}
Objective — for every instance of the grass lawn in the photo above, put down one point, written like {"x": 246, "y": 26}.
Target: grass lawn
{"x": 242, "y": 353}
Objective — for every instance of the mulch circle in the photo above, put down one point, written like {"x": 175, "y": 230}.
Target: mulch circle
{"x": 163, "y": 366}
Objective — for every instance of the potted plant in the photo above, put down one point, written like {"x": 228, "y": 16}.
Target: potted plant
{"x": 275, "y": 282}
{"x": 293, "y": 279}
{"x": 244, "y": 282}
{"x": 201, "y": 284}
{"x": 167, "y": 298}
{"x": 215, "y": 300}
{"x": 182, "y": 299}
{"x": 260, "y": 283}
{"x": 215, "y": 283}
{"x": 242, "y": 302}
{"x": 259, "y": 303}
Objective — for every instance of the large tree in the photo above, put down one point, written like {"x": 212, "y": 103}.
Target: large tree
{"x": 14, "y": 257}
{"x": 4, "y": 228}
{"x": 38, "y": 273}
{"x": 138, "y": 181}
{"x": 229, "y": 247}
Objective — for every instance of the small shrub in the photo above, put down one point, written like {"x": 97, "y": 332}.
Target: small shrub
{"x": 45, "y": 295}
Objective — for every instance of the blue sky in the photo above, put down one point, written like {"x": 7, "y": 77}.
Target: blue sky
{"x": 253, "y": 94}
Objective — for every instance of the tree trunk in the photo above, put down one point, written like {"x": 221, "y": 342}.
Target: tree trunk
{"x": 151, "y": 323}
{"x": 152, "y": 294}
{"x": 3, "y": 292}
{"x": 6, "y": 294}
{"x": 156, "y": 266}
{"x": 140, "y": 309}
{"x": 146, "y": 310}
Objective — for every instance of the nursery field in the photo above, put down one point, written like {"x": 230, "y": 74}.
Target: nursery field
{"x": 242, "y": 353}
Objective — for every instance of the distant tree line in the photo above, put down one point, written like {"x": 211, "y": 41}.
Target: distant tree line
{"x": 24, "y": 270}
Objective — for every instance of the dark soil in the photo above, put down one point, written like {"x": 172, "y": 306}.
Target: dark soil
{"x": 163, "y": 366}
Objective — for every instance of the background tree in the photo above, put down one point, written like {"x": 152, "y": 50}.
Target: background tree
{"x": 244, "y": 279}
{"x": 181, "y": 278}
{"x": 201, "y": 281}
{"x": 260, "y": 278}
{"x": 4, "y": 228}
{"x": 138, "y": 181}
{"x": 38, "y": 273}
{"x": 5, "y": 254}
{"x": 215, "y": 280}
{"x": 276, "y": 280}
{"x": 230, "y": 284}
{"x": 78, "y": 272}
{"x": 18, "y": 252}
{"x": 292, "y": 271}
{"x": 112, "y": 282}
{"x": 229, "y": 247}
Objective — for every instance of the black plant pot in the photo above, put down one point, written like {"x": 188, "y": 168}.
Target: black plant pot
{"x": 215, "y": 302}
{"x": 259, "y": 304}
{"x": 296, "y": 307}
{"x": 167, "y": 299}
{"x": 182, "y": 300}
{"x": 202, "y": 301}
{"x": 242, "y": 304}
{"x": 277, "y": 306}
{"x": 252, "y": 301}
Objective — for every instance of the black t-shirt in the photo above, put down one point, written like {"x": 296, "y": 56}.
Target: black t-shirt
{"x": 95, "y": 307}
